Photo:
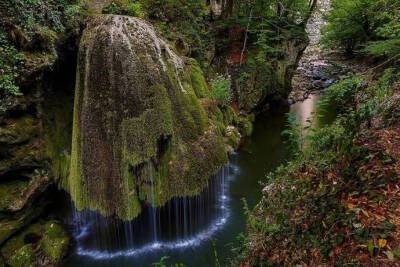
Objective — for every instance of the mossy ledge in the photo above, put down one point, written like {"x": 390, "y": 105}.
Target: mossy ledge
{"x": 138, "y": 122}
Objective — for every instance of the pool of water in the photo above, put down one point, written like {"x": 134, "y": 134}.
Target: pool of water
{"x": 194, "y": 230}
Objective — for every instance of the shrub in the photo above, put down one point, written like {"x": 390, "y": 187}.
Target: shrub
{"x": 221, "y": 90}
{"x": 124, "y": 7}
{"x": 343, "y": 92}
{"x": 294, "y": 135}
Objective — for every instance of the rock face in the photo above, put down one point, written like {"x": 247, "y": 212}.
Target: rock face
{"x": 26, "y": 180}
{"x": 275, "y": 88}
{"x": 140, "y": 134}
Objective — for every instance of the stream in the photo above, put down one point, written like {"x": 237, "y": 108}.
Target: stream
{"x": 192, "y": 230}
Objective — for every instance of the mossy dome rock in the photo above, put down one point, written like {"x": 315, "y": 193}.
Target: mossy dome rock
{"x": 140, "y": 134}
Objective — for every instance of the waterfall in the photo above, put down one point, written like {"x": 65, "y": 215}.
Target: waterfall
{"x": 182, "y": 222}
{"x": 135, "y": 102}
{"x": 152, "y": 208}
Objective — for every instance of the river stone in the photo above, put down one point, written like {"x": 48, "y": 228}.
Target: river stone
{"x": 140, "y": 134}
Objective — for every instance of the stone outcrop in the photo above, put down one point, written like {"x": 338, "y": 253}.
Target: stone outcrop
{"x": 265, "y": 87}
{"x": 26, "y": 181}
{"x": 31, "y": 126}
{"x": 139, "y": 126}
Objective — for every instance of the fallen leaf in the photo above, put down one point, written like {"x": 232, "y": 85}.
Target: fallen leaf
{"x": 365, "y": 213}
{"x": 351, "y": 205}
{"x": 382, "y": 243}
{"x": 363, "y": 258}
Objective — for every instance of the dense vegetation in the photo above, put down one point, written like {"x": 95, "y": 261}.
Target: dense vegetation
{"x": 372, "y": 26}
{"x": 336, "y": 201}
{"x": 29, "y": 34}
{"x": 331, "y": 203}
{"x": 250, "y": 34}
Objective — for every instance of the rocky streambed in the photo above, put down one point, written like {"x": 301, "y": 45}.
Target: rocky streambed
{"x": 317, "y": 68}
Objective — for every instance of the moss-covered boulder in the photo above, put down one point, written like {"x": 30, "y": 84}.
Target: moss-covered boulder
{"x": 42, "y": 243}
{"x": 139, "y": 126}
{"x": 21, "y": 201}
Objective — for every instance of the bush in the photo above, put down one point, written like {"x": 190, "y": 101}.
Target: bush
{"x": 186, "y": 20}
{"x": 294, "y": 136}
{"x": 343, "y": 92}
{"x": 124, "y": 7}
{"x": 221, "y": 90}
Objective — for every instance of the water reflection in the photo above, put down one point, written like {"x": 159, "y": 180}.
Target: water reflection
{"x": 304, "y": 110}
{"x": 313, "y": 111}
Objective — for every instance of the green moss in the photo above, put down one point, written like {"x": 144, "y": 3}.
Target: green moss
{"x": 19, "y": 130}
{"x": 198, "y": 81}
{"x": 141, "y": 134}
{"x": 74, "y": 184}
{"x": 58, "y": 133}
{"x": 48, "y": 238}
{"x": 9, "y": 226}
{"x": 250, "y": 100}
{"x": 23, "y": 257}
{"x": 229, "y": 116}
{"x": 232, "y": 137}
{"x": 12, "y": 246}
{"x": 152, "y": 141}
{"x": 55, "y": 241}
{"x": 245, "y": 126}
{"x": 20, "y": 137}
{"x": 188, "y": 113}
{"x": 10, "y": 191}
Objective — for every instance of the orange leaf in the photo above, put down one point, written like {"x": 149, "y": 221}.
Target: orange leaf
{"x": 382, "y": 243}
{"x": 351, "y": 205}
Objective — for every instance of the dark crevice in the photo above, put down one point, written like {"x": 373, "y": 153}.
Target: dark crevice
{"x": 22, "y": 174}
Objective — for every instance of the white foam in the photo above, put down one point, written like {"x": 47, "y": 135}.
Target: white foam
{"x": 196, "y": 240}
{"x": 157, "y": 246}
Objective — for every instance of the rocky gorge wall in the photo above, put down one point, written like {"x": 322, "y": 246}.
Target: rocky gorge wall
{"x": 34, "y": 143}
{"x": 259, "y": 85}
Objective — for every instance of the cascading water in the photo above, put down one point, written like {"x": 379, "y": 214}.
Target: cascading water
{"x": 182, "y": 222}
{"x": 153, "y": 212}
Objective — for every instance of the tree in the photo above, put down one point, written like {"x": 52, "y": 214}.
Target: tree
{"x": 369, "y": 25}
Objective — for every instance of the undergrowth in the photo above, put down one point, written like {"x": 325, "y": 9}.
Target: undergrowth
{"x": 307, "y": 214}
